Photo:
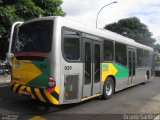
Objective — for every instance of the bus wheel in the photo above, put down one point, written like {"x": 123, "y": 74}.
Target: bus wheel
{"x": 108, "y": 88}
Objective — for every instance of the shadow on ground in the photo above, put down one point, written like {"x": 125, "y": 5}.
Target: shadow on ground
{"x": 15, "y": 103}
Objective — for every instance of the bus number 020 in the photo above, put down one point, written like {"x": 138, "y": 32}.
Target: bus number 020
{"x": 68, "y": 67}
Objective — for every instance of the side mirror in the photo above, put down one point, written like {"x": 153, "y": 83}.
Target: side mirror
{"x": 9, "y": 57}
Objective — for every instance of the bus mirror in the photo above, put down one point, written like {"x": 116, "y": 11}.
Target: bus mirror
{"x": 13, "y": 30}
{"x": 9, "y": 57}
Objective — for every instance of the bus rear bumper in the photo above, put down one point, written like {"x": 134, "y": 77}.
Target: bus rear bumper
{"x": 43, "y": 95}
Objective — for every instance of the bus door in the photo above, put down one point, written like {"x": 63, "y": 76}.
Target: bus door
{"x": 92, "y": 57}
{"x": 131, "y": 66}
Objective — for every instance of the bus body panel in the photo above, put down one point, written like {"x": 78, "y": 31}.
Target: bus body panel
{"x": 70, "y": 75}
{"x": 32, "y": 73}
{"x": 71, "y": 78}
{"x": 120, "y": 73}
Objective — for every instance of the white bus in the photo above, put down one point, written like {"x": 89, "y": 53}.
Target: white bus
{"x": 59, "y": 61}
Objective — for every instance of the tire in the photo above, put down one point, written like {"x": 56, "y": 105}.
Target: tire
{"x": 108, "y": 88}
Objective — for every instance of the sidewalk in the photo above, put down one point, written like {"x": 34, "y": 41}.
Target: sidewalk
{"x": 5, "y": 79}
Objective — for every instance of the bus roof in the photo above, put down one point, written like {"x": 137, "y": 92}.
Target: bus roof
{"x": 103, "y": 33}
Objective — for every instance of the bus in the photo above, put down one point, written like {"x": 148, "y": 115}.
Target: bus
{"x": 59, "y": 61}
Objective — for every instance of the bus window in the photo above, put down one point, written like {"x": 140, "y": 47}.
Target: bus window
{"x": 139, "y": 57}
{"x": 35, "y": 37}
{"x": 108, "y": 50}
{"x": 71, "y": 45}
{"x": 146, "y": 58}
{"x": 120, "y": 54}
{"x": 97, "y": 63}
{"x": 87, "y": 63}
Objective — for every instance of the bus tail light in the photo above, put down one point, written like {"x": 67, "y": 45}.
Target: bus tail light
{"x": 51, "y": 82}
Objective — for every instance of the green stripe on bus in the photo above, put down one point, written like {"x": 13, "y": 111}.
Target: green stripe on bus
{"x": 122, "y": 71}
{"x": 41, "y": 81}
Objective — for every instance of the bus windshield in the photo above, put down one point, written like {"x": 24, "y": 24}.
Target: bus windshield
{"x": 35, "y": 37}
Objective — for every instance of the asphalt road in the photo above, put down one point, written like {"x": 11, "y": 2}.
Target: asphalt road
{"x": 138, "y": 100}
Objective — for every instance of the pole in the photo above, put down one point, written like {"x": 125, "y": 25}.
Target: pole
{"x": 102, "y": 8}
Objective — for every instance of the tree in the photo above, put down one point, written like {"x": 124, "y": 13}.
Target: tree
{"x": 134, "y": 29}
{"x": 157, "y": 48}
{"x": 22, "y": 10}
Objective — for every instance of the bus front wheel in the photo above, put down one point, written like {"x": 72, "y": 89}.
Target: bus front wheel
{"x": 108, "y": 88}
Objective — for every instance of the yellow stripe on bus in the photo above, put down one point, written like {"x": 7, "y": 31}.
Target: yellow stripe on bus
{"x": 39, "y": 94}
{"x": 52, "y": 99}
{"x": 108, "y": 69}
{"x": 83, "y": 99}
{"x": 29, "y": 90}
{"x": 15, "y": 87}
{"x": 57, "y": 89}
{"x": 20, "y": 71}
{"x": 21, "y": 90}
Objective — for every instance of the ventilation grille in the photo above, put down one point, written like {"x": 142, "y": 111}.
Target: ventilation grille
{"x": 71, "y": 87}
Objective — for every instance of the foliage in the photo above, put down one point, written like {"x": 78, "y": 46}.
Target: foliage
{"x": 22, "y": 10}
{"x": 134, "y": 29}
{"x": 27, "y": 9}
{"x": 157, "y": 58}
{"x": 157, "y": 48}
{"x": 50, "y": 7}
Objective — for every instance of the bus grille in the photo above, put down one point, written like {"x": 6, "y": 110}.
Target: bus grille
{"x": 71, "y": 87}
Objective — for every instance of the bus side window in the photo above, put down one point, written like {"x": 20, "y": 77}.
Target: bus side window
{"x": 139, "y": 57}
{"x": 146, "y": 58}
{"x": 108, "y": 50}
{"x": 121, "y": 53}
{"x": 71, "y": 45}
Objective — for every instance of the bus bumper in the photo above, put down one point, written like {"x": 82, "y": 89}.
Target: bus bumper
{"x": 44, "y": 95}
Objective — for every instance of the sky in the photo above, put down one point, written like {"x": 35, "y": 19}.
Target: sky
{"x": 85, "y": 12}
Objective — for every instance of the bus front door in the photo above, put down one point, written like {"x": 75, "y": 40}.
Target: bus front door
{"x": 92, "y": 58}
{"x": 131, "y": 66}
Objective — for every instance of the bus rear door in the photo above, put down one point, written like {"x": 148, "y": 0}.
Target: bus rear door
{"x": 131, "y": 66}
{"x": 92, "y": 57}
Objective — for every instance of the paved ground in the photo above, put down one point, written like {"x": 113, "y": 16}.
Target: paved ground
{"x": 5, "y": 78}
{"x": 141, "y": 99}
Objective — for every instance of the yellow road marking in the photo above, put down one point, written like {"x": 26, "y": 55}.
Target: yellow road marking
{"x": 37, "y": 118}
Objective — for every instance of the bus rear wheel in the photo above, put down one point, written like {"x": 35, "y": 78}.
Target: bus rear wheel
{"x": 108, "y": 88}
